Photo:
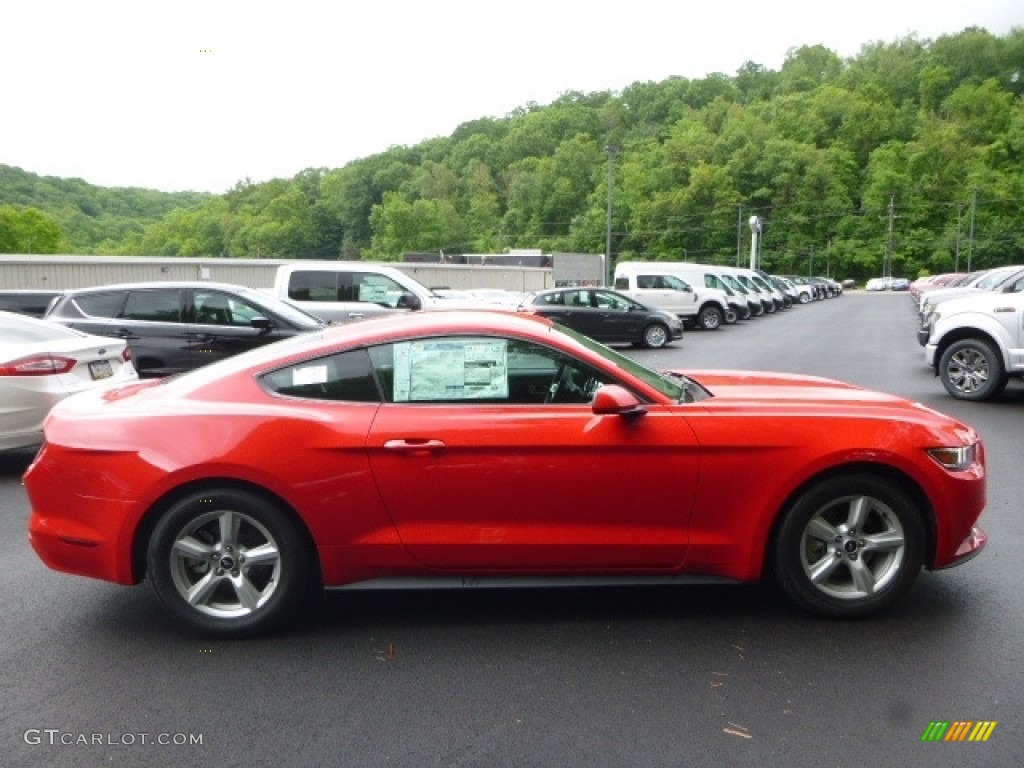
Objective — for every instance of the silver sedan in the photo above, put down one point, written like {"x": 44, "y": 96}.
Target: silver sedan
{"x": 42, "y": 363}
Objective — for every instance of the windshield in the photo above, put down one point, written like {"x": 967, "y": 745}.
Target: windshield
{"x": 995, "y": 278}
{"x": 732, "y": 282}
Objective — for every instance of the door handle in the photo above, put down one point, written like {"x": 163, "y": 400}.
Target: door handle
{"x": 414, "y": 445}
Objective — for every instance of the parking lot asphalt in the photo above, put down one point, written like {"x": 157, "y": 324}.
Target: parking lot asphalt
{"x": 96, "y": 674}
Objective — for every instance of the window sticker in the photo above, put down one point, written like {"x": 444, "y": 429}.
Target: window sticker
{"x": 451, "y": 369}
{"x": 375, "y": 294}
{"x": 309, "y": 374}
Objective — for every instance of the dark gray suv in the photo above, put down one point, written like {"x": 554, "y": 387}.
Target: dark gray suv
{"x": 173, "y": 327}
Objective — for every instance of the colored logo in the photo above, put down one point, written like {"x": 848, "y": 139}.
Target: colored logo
{"x": 958, "y": 730}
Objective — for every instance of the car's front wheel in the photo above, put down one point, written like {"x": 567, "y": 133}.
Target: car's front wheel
{"x": 971, "y": 369}
{"x": 655, "y": 336}
{"x": 849, "y": 545}
{"x": 228, "y": 562}
{"x": 710, "y": 318}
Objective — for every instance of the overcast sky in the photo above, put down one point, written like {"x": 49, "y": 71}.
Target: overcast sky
{"x": 200, "y": 94}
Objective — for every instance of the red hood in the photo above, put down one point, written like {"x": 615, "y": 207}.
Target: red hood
{"x": 785, "y": 387}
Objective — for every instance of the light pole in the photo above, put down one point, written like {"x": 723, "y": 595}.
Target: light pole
{"x": 755, "y": 233}
{"x": 612, "y": 152}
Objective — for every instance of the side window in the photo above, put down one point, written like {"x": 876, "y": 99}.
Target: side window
{"x": 162, "y": 305}
{"x": 605, "y": 300}
{"x": 646, "y": 281}
{"x": 674, "y": 283}
{"x": 345, "y": 377}
{"x": 481, "y": 369}
{"x": 375, "y": 289}
{"x": 313, "y": 285}
{"x": 214, "y": 308}
{"x": 578, "y": 298}
{"x": 557, "y": 299}
{"x": 101, "y": 304}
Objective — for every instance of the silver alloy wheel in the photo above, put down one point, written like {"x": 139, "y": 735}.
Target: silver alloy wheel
{"x": 655, "y": 336}
{"x": 710, "y": 318}
{"x": 852, "y": 547}
{"x": 225, "y": 564}
{"x": 968, "y": 370}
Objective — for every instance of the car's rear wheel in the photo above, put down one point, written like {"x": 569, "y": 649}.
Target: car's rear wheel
{"x": 228, "y": 562}
{"x": 972, "y": 369}
{"x": 849, "y": 545}
{"x": 655, "y": 336}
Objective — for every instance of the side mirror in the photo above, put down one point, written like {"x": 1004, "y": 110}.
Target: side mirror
{"x": 409, "y": 301}
{"x": 262, "y": 324}
{"x": 613, "y": 400}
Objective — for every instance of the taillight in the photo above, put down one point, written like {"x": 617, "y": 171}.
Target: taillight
{"x": 37, "y": 365}
{"x": 126, "y": 356}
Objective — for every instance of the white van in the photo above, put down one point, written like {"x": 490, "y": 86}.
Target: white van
{"x": 659, "y": 286}
{"x": 770, "y": 298}
{"x": 342, "y": 291}
{"x": 710, "y": 276}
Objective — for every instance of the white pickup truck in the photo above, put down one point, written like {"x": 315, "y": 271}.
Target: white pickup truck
{"x": 341, "y": 292}
{"x": 977, "y": 343}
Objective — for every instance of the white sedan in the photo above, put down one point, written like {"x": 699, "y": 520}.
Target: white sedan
{"x": 42, "y": 363}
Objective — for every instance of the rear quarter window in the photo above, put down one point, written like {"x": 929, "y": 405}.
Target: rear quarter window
{"x": 100, "y": 304}
{"x": 345, "y": 377}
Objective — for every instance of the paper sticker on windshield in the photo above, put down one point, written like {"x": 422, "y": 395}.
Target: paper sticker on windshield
{"x": 451, "y": 369}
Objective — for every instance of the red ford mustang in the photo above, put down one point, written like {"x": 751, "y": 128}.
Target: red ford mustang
{"x": 490, "y": 447}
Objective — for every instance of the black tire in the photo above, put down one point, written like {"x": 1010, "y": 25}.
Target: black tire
{"x": 850, "y": 545}
{"x": 710, "y": 318}
{"x": 238, "y": 555}
{"x": 805, "y": 297}
{"x": 972, "y": 369}
{"x": 656, "y": 336}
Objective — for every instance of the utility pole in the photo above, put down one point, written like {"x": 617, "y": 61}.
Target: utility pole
{"x": 612, "y": 151}
{"x": 887, "y": 266}
{"x": 739, "y": 233}
{"x": 959, "y": 218}
{"x": 970, "y": 237}
{"x": 755, "y": 234}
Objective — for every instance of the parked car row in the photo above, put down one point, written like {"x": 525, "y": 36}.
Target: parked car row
{"x": 164, "y": 328}
{"x": 972, "y": 331}
{"x": 653, "y": 301}
{"x": 887, "y": 284}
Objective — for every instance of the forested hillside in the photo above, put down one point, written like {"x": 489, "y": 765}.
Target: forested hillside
{"x": 912, "y": 152}
{"x": 43, "y": 214}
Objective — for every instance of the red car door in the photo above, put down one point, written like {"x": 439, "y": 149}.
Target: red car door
{"x": 508, "y": 482}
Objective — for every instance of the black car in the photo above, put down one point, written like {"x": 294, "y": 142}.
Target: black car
{"x": 27, "y": 302}
{"x": 173, "y": 327}
{"x": 605, "y": 315}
